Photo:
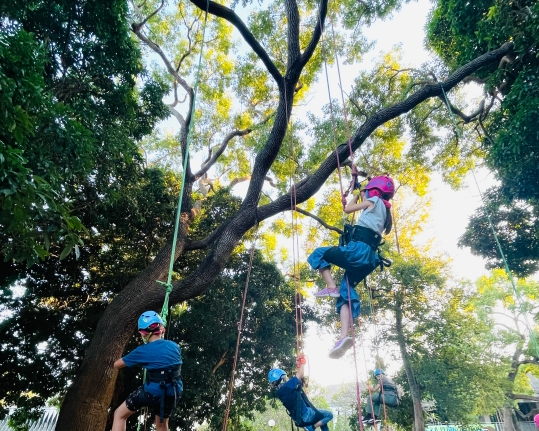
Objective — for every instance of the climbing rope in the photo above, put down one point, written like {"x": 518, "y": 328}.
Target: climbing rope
{"x": 495, "y": 235}
{"x": 168, "y": 283}
{"x": 238, "y": 339}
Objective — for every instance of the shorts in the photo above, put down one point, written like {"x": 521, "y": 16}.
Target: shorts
{"x": 140, "y": 398}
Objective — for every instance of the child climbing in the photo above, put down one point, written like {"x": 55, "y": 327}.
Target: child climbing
{"x": 385, "y": 392}
{"x": 162, "y": 360}
{"x": 359, "y": 257}
{"x": 298, "y": 406}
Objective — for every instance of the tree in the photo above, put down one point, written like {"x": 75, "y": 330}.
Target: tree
{"x": 504, "y": 120}
{"x": 73, "y": 112}
{"x": 495, "y": 297}
{"x": 283, "y": 62}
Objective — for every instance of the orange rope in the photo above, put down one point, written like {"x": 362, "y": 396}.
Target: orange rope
{"x": 240, "y": 326}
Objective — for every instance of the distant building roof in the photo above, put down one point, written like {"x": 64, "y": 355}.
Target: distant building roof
{"x": 534, "y": 383}
{"x": 47, "y": 421}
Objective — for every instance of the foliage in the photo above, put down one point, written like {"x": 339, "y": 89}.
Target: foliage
{"x": 32, "y": 213}
{"x": 73, "y": 112}
{"x": 516, "y": 224}
{"x": 458, "y": 30}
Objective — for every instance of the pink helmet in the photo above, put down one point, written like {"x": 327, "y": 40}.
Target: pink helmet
{"x": 383, "y": 183}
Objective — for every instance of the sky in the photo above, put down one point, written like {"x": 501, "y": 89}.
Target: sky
{"x": 449, "y": 213}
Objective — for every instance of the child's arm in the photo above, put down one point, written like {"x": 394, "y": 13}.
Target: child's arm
{"x": 353, "y": 206}
{"x": 300, "y": 364}
{"x": 119, "y": 364}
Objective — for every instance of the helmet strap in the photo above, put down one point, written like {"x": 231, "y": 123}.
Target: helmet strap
{"x": 146, "y": 336}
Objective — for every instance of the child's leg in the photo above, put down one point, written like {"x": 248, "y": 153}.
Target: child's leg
{"x": 327, "y": 277}
{"x": 323, "y": 423}
{"x": 120, "y": 417}
{"x": 345, "y": 321}
{"x": 161, "y": 426}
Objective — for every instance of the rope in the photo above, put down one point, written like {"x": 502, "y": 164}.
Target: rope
{"x": 168, "y": 283}
{"x": 498, "y": 244}
{"x": 240, "y": 327}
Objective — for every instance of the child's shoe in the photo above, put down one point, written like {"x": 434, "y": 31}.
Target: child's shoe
{"x": 331, "y": 292}
{"x": 366, "y": 417}
{"x": 340, "y": 348}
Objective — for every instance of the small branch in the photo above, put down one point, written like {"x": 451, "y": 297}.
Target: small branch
{"x": 462, "y": 115}
{"x": 319, "y": 220}
{"x": 141, "y": 24}
{"x": 136, "y": 28}
{"x": 211, "y": 161}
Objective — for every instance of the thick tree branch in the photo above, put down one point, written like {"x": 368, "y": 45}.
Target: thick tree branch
{"x": 524, "y": 397}
{"x": 317, "y": 33}
{"x": 319, "y": 220}
{"x": 294, "y": 50}
{"x": 311, "y": 184}
{"x": 230, "y": 16}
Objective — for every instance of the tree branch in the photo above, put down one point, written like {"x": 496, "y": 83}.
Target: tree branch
{"x": 312, "y": 183}
{"x": 462, "y": 115}
{"x": 317, "y": 33}
{"x": 207, "y": 165}
{"x": 294, "y": 50}
{"x": 319, "y": 220}
{"x": 141, "y": 24}
{"x": 230, "y": 16}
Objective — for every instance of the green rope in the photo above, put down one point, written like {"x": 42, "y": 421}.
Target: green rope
{"x": 168, "y": 283}
{"x": 502, "y": 254}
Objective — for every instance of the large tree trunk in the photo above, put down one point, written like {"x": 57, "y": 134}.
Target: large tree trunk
{"x": 419, "y": 421}
{"x": 88, "y": 398}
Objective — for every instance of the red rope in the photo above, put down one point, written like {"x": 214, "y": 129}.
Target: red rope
{"x": 240, "y": 326}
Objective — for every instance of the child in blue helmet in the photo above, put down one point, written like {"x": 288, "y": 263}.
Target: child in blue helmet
{"x": 163, "y": 387}
{"x": 290, "y": 393}
{"x": 385, "y": 392}
{"x": 359, "y": 257}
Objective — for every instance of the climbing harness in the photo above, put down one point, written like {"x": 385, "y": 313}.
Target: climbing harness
{"x": 293, "y": 399}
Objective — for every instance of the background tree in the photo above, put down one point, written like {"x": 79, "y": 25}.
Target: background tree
{"x": 505, "y": 119}
{"x": 73, "y": 113}
{"x": 509, "y": 315}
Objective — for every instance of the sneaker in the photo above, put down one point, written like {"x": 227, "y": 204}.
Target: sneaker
{"x": 332, "y": 292}
{"x": 340, "y": 348}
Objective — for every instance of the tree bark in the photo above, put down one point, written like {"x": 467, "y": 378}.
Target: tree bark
{"x": 419, "y": 421}
{"x": 88, "y": 398}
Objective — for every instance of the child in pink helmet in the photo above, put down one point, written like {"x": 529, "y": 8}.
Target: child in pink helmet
{"x": 359, "y": 257}
{"x": 536, "y": 420}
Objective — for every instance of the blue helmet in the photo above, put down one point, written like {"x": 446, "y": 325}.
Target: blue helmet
{"x": 377, "y": 372}
{"x": 147, "y": 319}
{"x": 275, "y": 375}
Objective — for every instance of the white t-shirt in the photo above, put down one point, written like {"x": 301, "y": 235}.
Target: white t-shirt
{"x": 374, "y": 217}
